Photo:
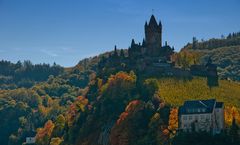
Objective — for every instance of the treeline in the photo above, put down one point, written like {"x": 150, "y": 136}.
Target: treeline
{"x": 25, "y": 74}
{"x": 232, "y": 39}
{"x": 23, "y": 110}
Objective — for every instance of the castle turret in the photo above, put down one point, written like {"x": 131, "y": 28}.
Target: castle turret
{"x": 212, "y": 76}
{"x": 153, "y": 35}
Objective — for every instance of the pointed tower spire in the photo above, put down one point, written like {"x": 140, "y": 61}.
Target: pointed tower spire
{"x": 115, "y": 50}
{"x": 146, "y": 25}
{"x": 133, "y": 43}
{"x": 166, "y": 44}
{"x": 160, "y": 24}
{"x": 122, "y": 53}
{"x": 153, "y": 21}
{"x": 143, "y": 43}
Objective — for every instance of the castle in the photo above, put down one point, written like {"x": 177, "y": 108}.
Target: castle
{"x": 153, "y": 58}
{"x": 152, "y": 43}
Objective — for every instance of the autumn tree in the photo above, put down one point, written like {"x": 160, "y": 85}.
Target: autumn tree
{"x": 56, "y": 141}
{"x": 173, "y": 121}
{"x": 59, "y": 126}
{"x": 150, "y": 87}
{"x": 44, "y": 134}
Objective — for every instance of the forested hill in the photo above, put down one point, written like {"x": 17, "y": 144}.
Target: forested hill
{"x": 225, "y": 53}
{"x": 233, "y": 39}
{"x": 25, "y": 74}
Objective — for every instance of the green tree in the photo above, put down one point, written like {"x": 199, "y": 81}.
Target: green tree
{"x": 59, "y": 126}
{"x": 234, "y": 132}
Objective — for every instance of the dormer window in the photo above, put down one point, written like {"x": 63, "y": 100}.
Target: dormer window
{"x": 190, "y": 110}
{"x": 198, "y": 110}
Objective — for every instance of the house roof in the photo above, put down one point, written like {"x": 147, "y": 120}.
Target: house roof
{"x": 197, "y": 106}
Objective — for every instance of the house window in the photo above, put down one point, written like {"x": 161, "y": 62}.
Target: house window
{"x": 207, "y": 117}
{"x": 190, "y": 117}
{"x": 185, "y": 125}
{"x": 196, "y": 117}
{"x": 202, "y": 117}
{"x": 184, "y": 117}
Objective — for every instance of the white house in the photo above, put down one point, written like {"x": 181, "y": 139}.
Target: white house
{"x": 202, "y": 115}
{"x": 30, "y": 140}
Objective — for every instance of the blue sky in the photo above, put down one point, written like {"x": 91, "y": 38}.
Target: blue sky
{"x": 66, "y": 31}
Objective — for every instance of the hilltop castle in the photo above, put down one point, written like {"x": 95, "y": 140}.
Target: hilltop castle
{"x": 152, "y": 43}
{"x": 151, "y": 57}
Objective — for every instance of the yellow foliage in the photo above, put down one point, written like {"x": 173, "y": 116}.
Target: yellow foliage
{"x": 230, "y": 113}
{"x": 175, "y": 92}
{"x": 56, "y": 141}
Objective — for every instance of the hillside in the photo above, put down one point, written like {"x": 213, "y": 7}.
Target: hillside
{"x": 123, "y": 97}
{"x": 225, "y": 53}
{"x": 175, "y": 92}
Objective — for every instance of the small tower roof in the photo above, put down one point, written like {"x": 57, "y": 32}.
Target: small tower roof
{"x": 153, "y": 21}
{"x": 133, "y": 43}
{"x": 146, "y": 23}
{"x": 160, "y": 23}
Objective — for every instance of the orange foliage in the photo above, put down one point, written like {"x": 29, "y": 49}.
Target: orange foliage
{"x": 165, "y": 132}
{"x": 43, "y": 110}
{"x": 130, "y": 107}
{"x": 173, "y": 120}
{"x": 46, "y": 131}
{"x": 122, "y": 117}
{"x": 79, "y": 105}
{"x": 113, "y": 80}
{"x": 120, "y": 76}
{"x": 231, "y": 112}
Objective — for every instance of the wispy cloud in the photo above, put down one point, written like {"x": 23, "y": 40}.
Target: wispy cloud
{"x": 50, "y": 53}
{"x": 68, "y": 49}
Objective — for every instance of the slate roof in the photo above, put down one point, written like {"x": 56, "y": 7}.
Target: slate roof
{"x": 199, "y": 106}
{"x": 153, "y": 21}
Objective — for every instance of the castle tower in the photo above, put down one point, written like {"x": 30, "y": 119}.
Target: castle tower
{"x": 153, "y": 35}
